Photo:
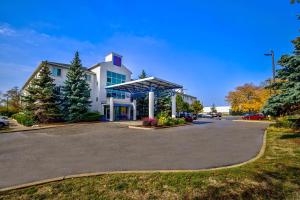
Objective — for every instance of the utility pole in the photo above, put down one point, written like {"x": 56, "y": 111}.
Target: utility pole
{"x": 7, "y": 105}
{"x": 273, "y": 63}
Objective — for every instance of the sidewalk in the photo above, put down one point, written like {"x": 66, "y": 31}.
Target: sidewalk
{"x": 14, "y": 126}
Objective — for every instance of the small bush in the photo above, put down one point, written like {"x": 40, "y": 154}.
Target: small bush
{"x": 165, "y": 120}
{"x": 24, "y": 118}
{"x": 91, "y": 116}
{"x": 149, "y": 122}
{"x": 288, "y": 122}
{"x": 181, "y": 121}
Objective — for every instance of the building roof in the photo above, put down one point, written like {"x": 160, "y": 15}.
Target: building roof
{"x": 55, "y": 64}
{"x": 144, "y": 85}
{"x": 187, "y": 95}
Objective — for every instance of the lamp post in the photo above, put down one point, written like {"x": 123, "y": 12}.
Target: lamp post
{"x": 273, "y": 62}
{"x": 7, "y": 105}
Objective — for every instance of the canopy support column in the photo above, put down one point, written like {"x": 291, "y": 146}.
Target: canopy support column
{"x": 151, "y": 104}
{"x": 134, "y": 109}
{"x": 128, "y": 113}
{"x": 111, "y": 109}
{"x": 173, "y": 99}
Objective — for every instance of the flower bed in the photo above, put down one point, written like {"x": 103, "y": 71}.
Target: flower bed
{"x": 163, "y": 121}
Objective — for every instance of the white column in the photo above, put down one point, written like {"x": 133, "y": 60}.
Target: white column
{"x": 128, "y": 112}
{"x": 111, "y": 109}
{"x": 134, "y": 109}
{"x": 173, "y": 99}
{"x": 151, "y": 104}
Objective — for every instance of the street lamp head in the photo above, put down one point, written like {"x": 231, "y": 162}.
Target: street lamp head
{"x": 268, "y": 54}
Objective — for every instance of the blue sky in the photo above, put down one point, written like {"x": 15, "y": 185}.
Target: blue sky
{"x": 209, "y": 47}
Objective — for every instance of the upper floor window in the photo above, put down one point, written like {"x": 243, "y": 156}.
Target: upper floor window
{"x": 117, "y": 60}
{"x": 56, "y": 71}
{"x": 87, "y": 77}
{"x": 114, "y": 78}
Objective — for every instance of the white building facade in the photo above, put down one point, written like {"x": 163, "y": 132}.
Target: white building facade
{"x": 113, "y": 104}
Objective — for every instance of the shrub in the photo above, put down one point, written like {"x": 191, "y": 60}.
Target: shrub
{"x": 181, "y": 121}
{"x": 149, "y": 122}
{"x": 24, "y": 118}
{"x": 154, "y": 122}
{"x": 91, "y": 116}
{"x": 288, "y": 122}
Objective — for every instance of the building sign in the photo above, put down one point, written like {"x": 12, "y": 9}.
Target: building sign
{"x": 117, "y": 61}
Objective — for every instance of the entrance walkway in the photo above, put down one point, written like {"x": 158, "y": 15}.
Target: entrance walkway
{"x": 42, "y": 154}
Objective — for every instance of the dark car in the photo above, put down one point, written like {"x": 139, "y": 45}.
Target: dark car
{"x": 215, "y": 114}
{"x": 188, "y": 119}
{"x": 254, "y": 117}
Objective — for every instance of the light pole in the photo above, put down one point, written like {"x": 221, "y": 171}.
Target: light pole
{"x": 7, "y": 105}
{"x": 273, "y": 62}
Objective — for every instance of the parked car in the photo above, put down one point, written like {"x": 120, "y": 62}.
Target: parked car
{"x": 3, "y": 121}
{"x": 215, "y": 114}
{"x": 205, "y": 115}
{"x": 195, "y": 117}
{"x": 254, "y": 117}
{"x": 188, "y": 119}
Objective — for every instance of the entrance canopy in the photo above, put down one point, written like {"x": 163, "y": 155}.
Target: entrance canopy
{"x": 145, "y": 85}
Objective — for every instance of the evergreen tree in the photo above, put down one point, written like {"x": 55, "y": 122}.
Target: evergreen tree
{"x": 40, "y": 98}
{"x": 76, "y": 92}
{"x": 163, "y": 103}
{"x": 286, "y": 99}
{"x": 143, "y": 75}
{"x": 142, "y": 100}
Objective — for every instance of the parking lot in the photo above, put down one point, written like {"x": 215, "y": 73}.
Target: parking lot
{"x": 104, "y": 147}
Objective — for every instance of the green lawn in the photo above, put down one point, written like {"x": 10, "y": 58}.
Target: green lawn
{"x": 276, "y": 175}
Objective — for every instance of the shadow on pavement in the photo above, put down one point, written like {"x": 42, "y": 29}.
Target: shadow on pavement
{"x": 200, "y": 123}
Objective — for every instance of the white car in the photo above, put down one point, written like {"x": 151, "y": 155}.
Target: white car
{"x": 3, "y": 121}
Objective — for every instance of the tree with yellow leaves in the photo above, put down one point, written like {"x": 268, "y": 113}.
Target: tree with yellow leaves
{"x": 248, "y": 98}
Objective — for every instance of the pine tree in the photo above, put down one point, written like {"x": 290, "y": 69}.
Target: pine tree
{"x": 76, "y": 92}
{"x": 163, "y": 103}
{"x": 142, "y": 100}
{"x": 40, "y": 98}
{"x": 143, "y": 75}
{"x": 286, "y": 99}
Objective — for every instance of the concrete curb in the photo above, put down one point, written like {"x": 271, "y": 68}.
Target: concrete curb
{"x": 47, "y": 127}
{"x": 259, "y": 155}
{"x": 155, "y": 128}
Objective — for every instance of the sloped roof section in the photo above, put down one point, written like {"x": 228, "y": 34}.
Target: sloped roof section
{"x": 145, "y": 85}
{"x": 55, "y": 64}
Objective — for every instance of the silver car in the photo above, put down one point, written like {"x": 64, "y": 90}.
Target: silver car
{"x": 3, "y": 121}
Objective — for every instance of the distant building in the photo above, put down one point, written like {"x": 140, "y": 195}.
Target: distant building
{"x": 186, "y": 97}
{"x": 220, "y": 109}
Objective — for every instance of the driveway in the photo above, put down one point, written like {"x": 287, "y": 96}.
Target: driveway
{"x": 42, "y": 154}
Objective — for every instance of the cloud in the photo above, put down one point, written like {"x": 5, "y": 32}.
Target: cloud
{"x": 6, "y": 30}
{"x": 22, "y": 49}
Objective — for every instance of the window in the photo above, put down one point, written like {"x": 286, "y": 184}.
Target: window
{"x": 56, "y": 71}
{"x": 88, "y": 77}
{"x": 115, "y": 78}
